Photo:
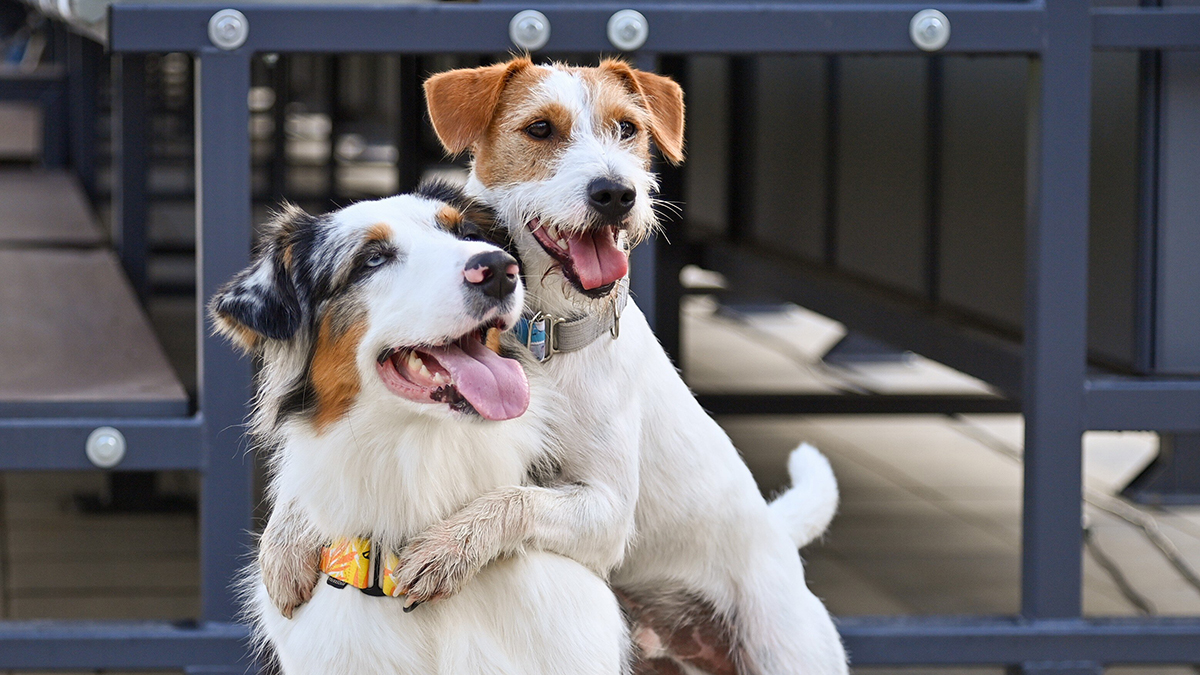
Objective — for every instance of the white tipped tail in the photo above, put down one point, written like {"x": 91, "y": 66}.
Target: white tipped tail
{"x": 808, "y": 506}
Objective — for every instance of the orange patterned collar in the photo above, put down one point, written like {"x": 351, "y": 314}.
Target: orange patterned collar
{"x": 360, "y": 563}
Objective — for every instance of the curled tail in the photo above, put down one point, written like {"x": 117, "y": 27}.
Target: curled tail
{"x": 808, "y": 506}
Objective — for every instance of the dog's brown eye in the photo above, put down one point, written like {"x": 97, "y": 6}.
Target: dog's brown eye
{"x": 540, "y": 130}
{"x": 627, "y": 130}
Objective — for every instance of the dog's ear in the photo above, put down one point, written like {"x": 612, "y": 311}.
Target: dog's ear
{"x": 462, "y": 102}
{"x": 261, "y": 302}
{"x": 663, "y": 98}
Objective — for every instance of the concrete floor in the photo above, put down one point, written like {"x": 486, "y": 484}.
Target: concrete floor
{"x": 931, "y": 504}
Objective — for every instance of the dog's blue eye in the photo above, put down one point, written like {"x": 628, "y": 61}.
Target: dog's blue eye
{"x": 376, "y": 260}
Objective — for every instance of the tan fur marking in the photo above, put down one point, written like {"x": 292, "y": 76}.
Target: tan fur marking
{"x": 507, "y": 154}
{"x": 449, "y": 218}
{"x": 663, "y": 99}
{"x": 333, "y": 371}
{"x": 615, "y": 101}
{"x": 379, "y": 232}
{"x": 463, "y": 102}
{"x": 233, "y": 330}
{"x": 246, "y": 337}
{"x": 487, "y": 109}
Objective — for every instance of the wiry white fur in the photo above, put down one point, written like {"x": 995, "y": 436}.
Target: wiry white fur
{"x": 699, "y": 522}
{"x": 391, "y": 467}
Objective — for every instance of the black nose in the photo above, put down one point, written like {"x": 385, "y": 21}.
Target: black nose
{"x": 494, "y": 273}
{"x": 610, "y": 199}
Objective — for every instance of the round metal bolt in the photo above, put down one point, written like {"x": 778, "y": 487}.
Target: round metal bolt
{"x": 105, "y": 447}
{"x": 628, "y": 30}
{"x": 529, "y": 30}
{"x": 929, "y": 30}
{"x": 228, "y": 29}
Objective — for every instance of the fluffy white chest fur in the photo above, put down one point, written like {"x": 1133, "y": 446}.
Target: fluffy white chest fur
{"x": 534, "y": 613}
{"x": 700, "y": 523}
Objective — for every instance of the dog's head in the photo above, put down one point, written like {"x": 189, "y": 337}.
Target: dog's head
{"x": 563, "y": 154}
{"x": 393, "y": 304}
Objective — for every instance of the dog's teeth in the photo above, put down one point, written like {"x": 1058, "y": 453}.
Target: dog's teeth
{"x": 441, "y": 378}
{"x": 415, "y": 361}
{"x": 425, "y": 371}
{"x": 562, "y": 243}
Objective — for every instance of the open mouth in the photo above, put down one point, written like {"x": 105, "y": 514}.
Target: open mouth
{"x": 592, "y": 260}
{"x": 467, "y": 373}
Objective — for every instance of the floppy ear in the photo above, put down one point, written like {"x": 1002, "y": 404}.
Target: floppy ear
{"x": 462, "y": 102}
{"x": 663, "y": 97}
{"x": 260, "y": 302}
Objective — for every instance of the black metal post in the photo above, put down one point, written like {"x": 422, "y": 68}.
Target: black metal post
{"x": 1145, "y": 291}
{"x": 223, "y": 237}
{"x": 56, "y": 121}
{"x": 833, "y": 127}
{"x": 83, "y": 62}
{"x": 935, "y": 105}
{"x": 1056, "y": 246}
{"x": 336, "y": 121}
{"x": 281, "y": 82}
{"x": 742, "y": 126}
{"x": 409, "y": 114}
{"x": 130, "y": 165}
{"x": 673, "y": 250}
{"x": 643, "y": 260}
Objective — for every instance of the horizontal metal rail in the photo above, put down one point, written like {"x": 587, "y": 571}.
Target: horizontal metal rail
{"x": 759, "y": 28}
{"x": 854, "y": 404}
{"x": 1157, "y": 404}
{"x": 152, "y": 444}
{"x": 986, "y": 640}
{"x": 675, "y": 28}
{"x": 1146, "y": 28}
{"x": 56, "y": 645}
{"x": 118, "y": 645}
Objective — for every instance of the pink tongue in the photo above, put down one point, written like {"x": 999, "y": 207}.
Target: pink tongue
{"x": 494, "y": 385}
{"x": 596, "y": 258}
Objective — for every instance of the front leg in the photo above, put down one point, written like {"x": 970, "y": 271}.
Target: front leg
{"x": 440, "y": 560}
{"x": 587, "y": 516}
{"x": 289, "y": 555}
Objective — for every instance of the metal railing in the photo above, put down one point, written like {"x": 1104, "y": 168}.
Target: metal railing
{"x": 1059, "y": 398}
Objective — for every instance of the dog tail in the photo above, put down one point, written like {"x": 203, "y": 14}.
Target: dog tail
{"x": 808, "y": 506}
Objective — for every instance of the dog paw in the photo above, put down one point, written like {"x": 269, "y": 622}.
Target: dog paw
{"x": 291, "y": 585}
{"x": 435, "y": 566}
